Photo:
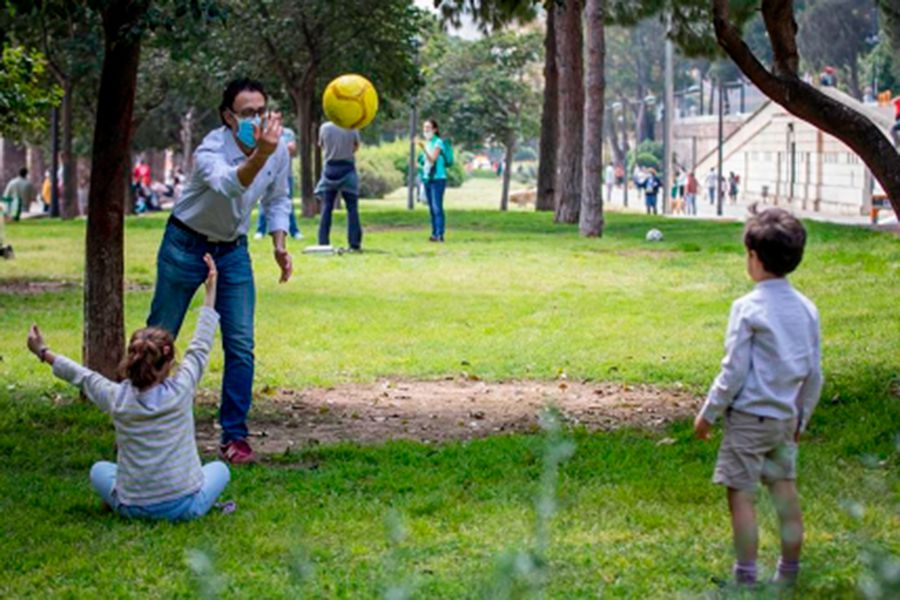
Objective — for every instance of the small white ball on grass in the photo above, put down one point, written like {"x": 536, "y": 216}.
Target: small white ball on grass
{"x": 654, "y": 235}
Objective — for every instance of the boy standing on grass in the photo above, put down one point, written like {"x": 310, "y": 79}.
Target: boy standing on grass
{"x": 767, "y": 389}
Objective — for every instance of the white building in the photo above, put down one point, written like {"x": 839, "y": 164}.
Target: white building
{"x": 783, "y": 160}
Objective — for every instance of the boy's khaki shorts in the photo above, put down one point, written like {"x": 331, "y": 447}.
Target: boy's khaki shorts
{"x": 756, "y": 449}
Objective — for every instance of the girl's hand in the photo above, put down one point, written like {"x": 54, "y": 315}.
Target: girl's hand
{"x": 211, "y": 279}
{"x": 36, "y": 340}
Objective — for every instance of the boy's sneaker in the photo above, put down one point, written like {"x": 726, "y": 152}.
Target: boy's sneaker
{"x": 786, "y": 573}
{"x": 258, "y": 236}
{"x": 237, "y": 452}
{"x": 7, "y": 252}
{"x": 297, "y": 236}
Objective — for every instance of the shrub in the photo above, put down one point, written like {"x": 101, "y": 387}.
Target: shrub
{"x": 382, "y": 169}
{"x": 456, "y": 175}
{"x": 525, "y": 153}
{"x": 483, "y": 174}
{"x": 377, "y": 175}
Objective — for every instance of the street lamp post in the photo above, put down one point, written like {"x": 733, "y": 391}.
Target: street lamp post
{"x": 721, "y": 140}
{"x": 411, "y": 171}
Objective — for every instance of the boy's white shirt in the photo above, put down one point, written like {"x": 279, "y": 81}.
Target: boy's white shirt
{"x": 772, "y": 365}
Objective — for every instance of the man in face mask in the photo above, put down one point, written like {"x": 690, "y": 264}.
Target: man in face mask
{"x": 236, "y": 166}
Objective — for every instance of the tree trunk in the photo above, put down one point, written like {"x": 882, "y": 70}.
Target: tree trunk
{"x": 317, "y": 151}
{"x": 591, "y": 218}
{"x": 305, "y": 141}
{"x": 806, "y": 102}
{"x": 619, "y": 151}
{"x": 546, "y": 194}
{"x": 187, "y": 141}
{"x": 69, "y": 201}
{"x": 569, "y": 48}
{"x": 507, "y": 171}
{"x": 104, "y": 333}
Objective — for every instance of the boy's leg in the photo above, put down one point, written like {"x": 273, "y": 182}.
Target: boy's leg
{"x": 328, "y": 198}
{"x": 743, "y": 526}
{"x": 790, "y": 519}
{"x": 215, "y": 477}
{"x": 354, "y": 227}
{"x": 103, "y": 480}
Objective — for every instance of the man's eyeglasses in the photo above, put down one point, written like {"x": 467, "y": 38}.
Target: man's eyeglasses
{"x": 249, "y": 113}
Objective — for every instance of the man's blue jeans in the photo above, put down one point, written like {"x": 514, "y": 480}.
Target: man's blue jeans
{"x": 434, "y": 192}
{"x": 180, "y": 270}
{"x": 215, "y": 477}
{"x": 354, "y": 227}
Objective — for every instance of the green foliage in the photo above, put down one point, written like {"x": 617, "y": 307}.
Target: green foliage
{"x": 485, "y": 90}
{"x": 25, "y": 95}
{"x": 377, "y": 174}
{"x": 525, "y": 153}
{"x": 649, "y": 154}
{"x": 834, "y": 32}
{"x": 456, "y": 175}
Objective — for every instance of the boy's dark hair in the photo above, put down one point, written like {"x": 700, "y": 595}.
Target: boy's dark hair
{"x": 235, "y": 87}
{"x": 23, "y": 172}
{"x": 777, "y": 237}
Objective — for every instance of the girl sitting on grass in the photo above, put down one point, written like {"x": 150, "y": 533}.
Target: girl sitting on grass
{"x": 158, "y": 474}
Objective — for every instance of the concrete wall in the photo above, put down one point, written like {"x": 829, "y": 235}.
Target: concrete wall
{"x": 695, "y": 137}
{"x": 784, "y": 161}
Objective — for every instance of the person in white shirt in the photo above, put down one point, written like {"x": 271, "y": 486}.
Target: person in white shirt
{"x": 240, "y": 164}
{"x": 609, "y": 178}
{"x": 767, "y": 389}
{"x": 712, "y": 179}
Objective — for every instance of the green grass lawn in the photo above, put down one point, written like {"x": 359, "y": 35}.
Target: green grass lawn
{"x": 512, "y": 296}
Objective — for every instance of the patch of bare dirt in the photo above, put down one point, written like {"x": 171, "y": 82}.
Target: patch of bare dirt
{"x": 437, "y": 411}
{"x": 26, "y": 287}
{"x": 33, "y": 287}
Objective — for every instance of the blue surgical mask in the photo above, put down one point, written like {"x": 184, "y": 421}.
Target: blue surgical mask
{"x": 245, "y": 130}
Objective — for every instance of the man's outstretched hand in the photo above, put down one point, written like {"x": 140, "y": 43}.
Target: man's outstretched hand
{"x": 284, "y": 260}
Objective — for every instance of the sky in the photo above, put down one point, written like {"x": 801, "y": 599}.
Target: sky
{"x": 468, "y": 30}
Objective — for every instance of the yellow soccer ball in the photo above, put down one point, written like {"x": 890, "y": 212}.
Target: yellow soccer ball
{"x": 350, "y": 101}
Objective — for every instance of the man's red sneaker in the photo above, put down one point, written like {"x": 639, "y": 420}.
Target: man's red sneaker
{"x": 237, "y": 452}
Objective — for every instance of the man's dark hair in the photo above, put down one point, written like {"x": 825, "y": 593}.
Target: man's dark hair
{"x": 23, "y": 172}
{"x": 777, "y": 237}
{"x": 235, "y": 87}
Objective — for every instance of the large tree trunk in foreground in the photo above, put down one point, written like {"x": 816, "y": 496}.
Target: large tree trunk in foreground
{"x": 104, "y": 333}
{"x": 590, "y": 222}
{"x": 571, "y": 112}
{"x": 546, "y": 194}
{"x": 806, "y": 102}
